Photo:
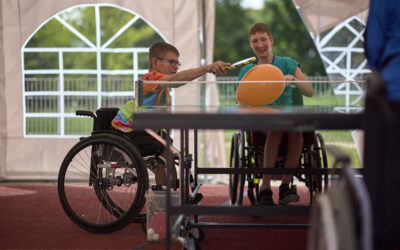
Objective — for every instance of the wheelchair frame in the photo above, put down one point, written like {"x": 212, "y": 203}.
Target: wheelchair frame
{"x": 108, "y": 171}
{"x": 244, "y": 155}
{"x": 103, "y": 177}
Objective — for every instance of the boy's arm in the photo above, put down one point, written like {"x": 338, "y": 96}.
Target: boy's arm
{"x": 218, "y": 68}
{"x": 305, "y": 88}
{"x": 123, "y": 120}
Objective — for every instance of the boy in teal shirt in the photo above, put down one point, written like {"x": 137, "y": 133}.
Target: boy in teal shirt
{"x": 261, "y": 42}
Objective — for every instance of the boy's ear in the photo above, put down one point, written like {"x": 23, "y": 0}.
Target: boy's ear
{"x": 153, "y": 61}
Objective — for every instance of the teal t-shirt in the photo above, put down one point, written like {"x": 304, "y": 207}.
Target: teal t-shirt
{"x": 287, "y": 65}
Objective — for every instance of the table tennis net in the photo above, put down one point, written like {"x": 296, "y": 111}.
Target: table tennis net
{"x": 339, "y": 93}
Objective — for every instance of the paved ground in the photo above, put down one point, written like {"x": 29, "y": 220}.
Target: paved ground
{"x": 32, "y": 218}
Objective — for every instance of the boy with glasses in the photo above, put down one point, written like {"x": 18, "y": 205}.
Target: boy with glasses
{"x": 163, "y": 66}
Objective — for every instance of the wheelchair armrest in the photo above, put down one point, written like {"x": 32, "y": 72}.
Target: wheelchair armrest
{"x": 85, "y": 113}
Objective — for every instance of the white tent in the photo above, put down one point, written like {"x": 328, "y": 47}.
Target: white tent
{"x": 179, "y": 21}
{"x": 320, "y": 15}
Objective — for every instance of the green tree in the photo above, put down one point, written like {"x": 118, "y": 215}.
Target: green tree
{"x": 231, "y": 25}
{"x": 291, "y": 37}
{"x": 54, "y": 34}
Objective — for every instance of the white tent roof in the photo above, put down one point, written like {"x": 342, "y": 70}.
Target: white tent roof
{"x": 320, "y": 15}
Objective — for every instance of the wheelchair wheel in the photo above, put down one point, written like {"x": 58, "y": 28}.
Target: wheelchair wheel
{"x": 242, "y": 164}
{"x": 316, "y": 158}
{"x": 322, "y": 161}
{"x": 102, "y": 183}
{"x": 237, "y": 181}
{"x": 234, "y": 163}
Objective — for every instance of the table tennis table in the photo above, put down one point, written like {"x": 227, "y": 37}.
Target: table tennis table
{"x": 193, "y": 118}
{"x": 284, "y": 118}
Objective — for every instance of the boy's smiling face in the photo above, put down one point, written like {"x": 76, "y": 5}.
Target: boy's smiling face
{"x": 261, "y": 43}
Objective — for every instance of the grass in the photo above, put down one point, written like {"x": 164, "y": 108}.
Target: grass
{"x": 50, "y": 126}
{"x": 80, "y": 126}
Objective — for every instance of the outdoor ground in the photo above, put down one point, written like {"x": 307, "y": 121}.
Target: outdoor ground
{"x": 32, "y": 218}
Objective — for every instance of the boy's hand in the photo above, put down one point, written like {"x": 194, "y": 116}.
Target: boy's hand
{"x": 218, "y": 68}
{"x": 289, "y": 79}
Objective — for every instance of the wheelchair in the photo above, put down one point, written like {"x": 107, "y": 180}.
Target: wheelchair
{"x": 247, "y": 150}
{"x": 103, "y": 178}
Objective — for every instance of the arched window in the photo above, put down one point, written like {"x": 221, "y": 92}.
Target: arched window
{"x": 85, "y": 57}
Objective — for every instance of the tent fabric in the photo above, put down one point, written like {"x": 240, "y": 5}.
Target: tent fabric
{"x": 3, "y": 131}
{"x": 40, "y": 158}
{"x": 177, "y": 20}
{"x": 214, "y": 139}
{"x": 323, "y": 15}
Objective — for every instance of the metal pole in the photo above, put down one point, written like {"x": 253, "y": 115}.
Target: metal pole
{"x": 202, "y": 63}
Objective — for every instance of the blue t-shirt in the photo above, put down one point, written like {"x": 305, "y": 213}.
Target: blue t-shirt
{"x": 288, "y": 66}
{"x": 382, "y": 43}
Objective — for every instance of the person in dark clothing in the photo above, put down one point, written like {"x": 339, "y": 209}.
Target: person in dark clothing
{"x": 382, "y": 120}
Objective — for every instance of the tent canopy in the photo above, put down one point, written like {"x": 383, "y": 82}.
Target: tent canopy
{"x": 322, "y": 15}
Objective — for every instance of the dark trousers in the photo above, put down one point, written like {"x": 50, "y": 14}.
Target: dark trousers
{"x": 382, "y": 167}
{"x": 146, "y": 144}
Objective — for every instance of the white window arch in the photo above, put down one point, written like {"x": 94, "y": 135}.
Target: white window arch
{"x": 85, "y": 57}
{"x": 342, "y": 52}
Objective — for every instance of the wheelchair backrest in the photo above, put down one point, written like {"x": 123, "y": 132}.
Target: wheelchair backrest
{"x": 104, "y": 118}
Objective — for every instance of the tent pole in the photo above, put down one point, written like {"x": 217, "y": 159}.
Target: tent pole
{"x": 202, "y": 63}
{"x": 203, "y": 34}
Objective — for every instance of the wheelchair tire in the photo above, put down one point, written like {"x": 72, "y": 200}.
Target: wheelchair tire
{"x": 102, "y": 183}
{"x": 242, "y": 164}
{"x": 322, "y": 182}
{"x": 234, "y": 163}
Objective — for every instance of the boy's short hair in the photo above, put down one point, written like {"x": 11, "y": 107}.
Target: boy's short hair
{"x": 159, "y": 49}
{"x": 259, "y": 27}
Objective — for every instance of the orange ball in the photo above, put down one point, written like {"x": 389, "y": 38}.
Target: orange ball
{"x": 262, "y": 93}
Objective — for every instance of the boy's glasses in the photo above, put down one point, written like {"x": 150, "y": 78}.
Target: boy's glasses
{"x": 170, "y": 61}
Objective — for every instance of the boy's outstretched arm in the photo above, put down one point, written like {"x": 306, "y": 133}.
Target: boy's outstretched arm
{"x": 218, "y": 68}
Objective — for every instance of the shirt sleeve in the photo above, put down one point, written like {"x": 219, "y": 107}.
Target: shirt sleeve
{"x": 292, "y": 65}
{"x": 124, "y": 119}
{"x": 152, "y": 76}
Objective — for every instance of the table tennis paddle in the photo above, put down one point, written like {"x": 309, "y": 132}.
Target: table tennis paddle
{"x": 241, "y": 63}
